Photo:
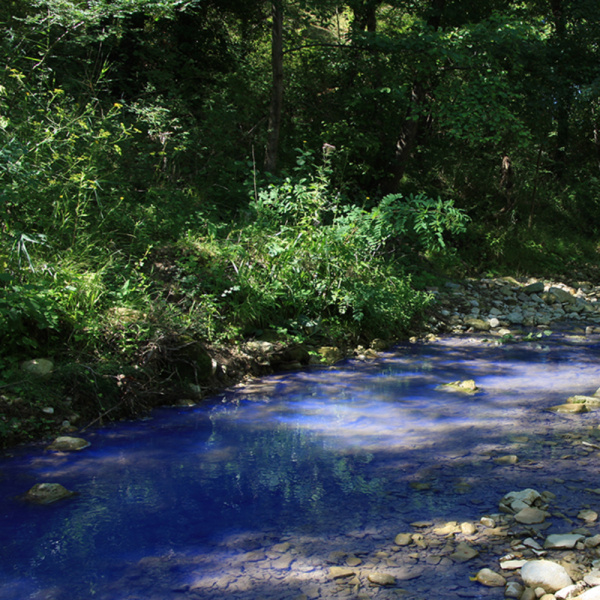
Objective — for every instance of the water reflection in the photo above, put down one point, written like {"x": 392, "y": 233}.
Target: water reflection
{"x": 251, "y": 494}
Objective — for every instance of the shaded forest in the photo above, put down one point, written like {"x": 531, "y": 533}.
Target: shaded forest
{"x": 176, "y": 174}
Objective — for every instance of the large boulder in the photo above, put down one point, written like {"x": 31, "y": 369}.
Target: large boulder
{"x": 545, "y": 574}
{"x": 562, "y": 295}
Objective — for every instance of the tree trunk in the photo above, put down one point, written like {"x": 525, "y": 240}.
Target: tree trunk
{"x": 272, "y": 149}
{"x": 408, "y": 136}
{"x": 562, "y": 95}
{"x": 407, "y": 140}
{"x": 365, "y": 15}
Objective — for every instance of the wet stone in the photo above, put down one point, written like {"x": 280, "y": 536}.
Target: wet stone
{"x": 66, "y": 443}
{"x": 353, "y": 561}
{"x": 530, "y": 515}
{"x": 513, "y": 590}
{"x": 490, "y": 578}
{"x": 383, "y": 579}
{"x": 463, "y": 553}
{"x": 47, "y": 493}
{"x": 341, "y": 572}
{"x": 468, "y": 528}
{"x": 403, "y": 539}
{"x": 589, "y": 516}
{"x": 509, "y": 459}
{"x": 282, "y": 563}
{"x": 562, "y": 540}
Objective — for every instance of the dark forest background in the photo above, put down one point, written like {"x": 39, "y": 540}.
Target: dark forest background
{"x": 180, "y": 173}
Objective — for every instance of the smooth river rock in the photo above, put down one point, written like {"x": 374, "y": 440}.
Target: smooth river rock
{"x": 591, "y": 594}
{"x": 383, "y": 579}
{"x": 66, "y": 443}
{"x": 545, "y": 574}
{"x": 562, "y": 540}
{"x": 490, "y": 578}
{"x": 530, "y": 515}
{"x": 467, "y": 386}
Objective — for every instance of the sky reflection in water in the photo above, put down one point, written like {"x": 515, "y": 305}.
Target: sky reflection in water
{"x": 317, "y": 457}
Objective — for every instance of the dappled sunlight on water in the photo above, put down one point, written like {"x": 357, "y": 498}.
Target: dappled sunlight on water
{"x": 249, "y": 494}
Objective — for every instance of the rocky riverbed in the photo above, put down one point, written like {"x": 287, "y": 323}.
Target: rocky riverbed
{"x": 505, "y": 306}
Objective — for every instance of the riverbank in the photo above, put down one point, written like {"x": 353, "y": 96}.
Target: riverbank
{"x": 72, "y": 397}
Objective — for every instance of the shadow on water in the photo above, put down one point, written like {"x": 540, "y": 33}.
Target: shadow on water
{"x": 258, "y": 493}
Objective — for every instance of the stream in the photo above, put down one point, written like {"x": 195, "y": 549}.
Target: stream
{"x": 258, "y": 492}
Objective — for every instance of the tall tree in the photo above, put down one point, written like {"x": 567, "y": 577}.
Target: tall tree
{"x": 276, "y": 107}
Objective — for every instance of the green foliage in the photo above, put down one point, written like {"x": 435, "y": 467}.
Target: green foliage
{"x": 28, "y": 314}
{"x": 306, "y": 257}
{"x": 421, "y": 218}
{"x": 128, "y": 130}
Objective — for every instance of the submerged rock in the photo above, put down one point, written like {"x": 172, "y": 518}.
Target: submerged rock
{"x": 383, "y": 579}
{"x": 464, "y": 553}
{"x": 403, "y": 539}
{"x": 341, "y": 572}
{"x": 467, "y": 386}
{"x": 570, "y": 408}
{"x": 47, "y": 493}
{"x": 508, "y": 459}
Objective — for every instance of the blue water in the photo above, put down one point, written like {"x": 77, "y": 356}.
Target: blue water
{"x": 330, "y": 462}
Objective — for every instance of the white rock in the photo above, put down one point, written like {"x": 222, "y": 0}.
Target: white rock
{"x": 592, "y": 578}
{"x": 467, "y": 528}
{"x": 511, "y": 565}
{"x": 591, "y": 594}
{"x": 567, "y": 592}
{"x": 545, "y": 574}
